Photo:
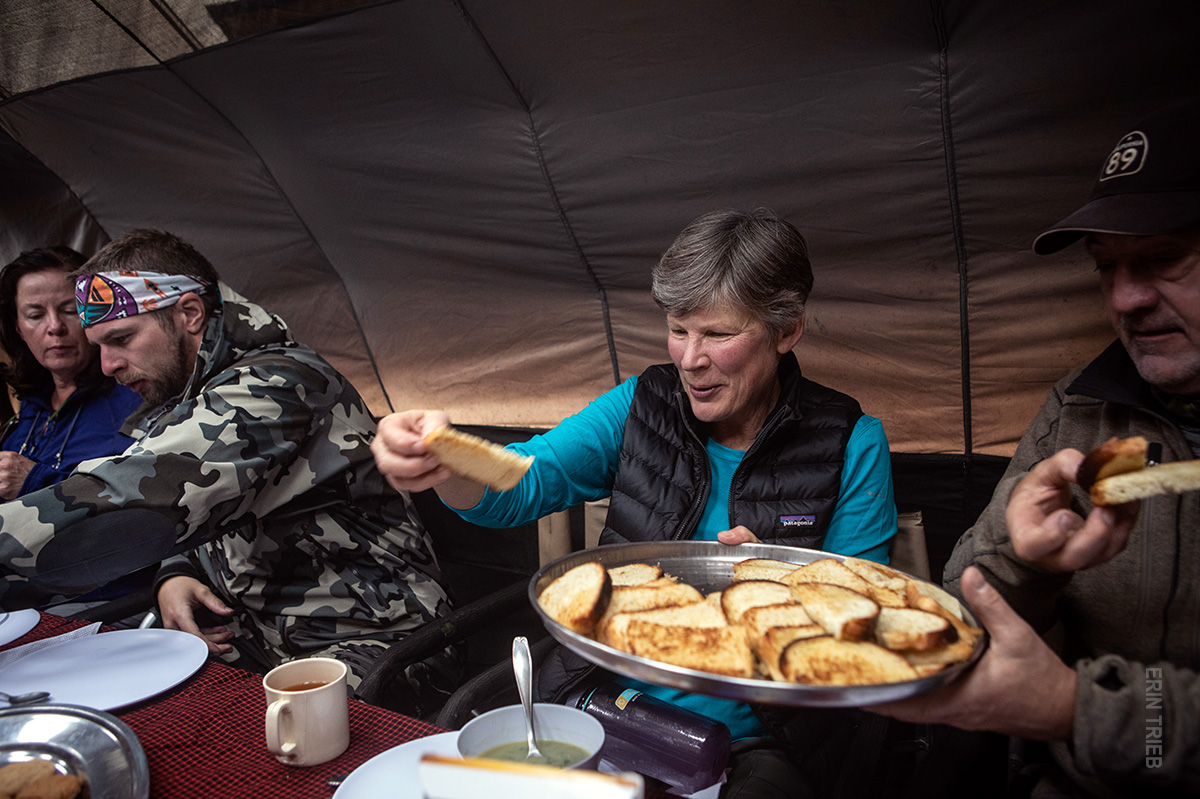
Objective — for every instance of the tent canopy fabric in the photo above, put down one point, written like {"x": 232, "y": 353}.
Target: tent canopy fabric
{"x": 459, "y": 202}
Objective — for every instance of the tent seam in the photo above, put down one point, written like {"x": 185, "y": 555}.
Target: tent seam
{"x": 955, "y": 224}
{"x": 283, "y": 195}
{"x": 554, "y": 198}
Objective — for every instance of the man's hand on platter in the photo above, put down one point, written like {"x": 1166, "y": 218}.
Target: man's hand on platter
{"x": 1019, "y": 687}
{"x": 1046, "y": 532}
{"x": 401, "y": 454}
{"x": 737, "y": 535}
{"x": 178, "y": 599}
{"x": 14, "y": 469}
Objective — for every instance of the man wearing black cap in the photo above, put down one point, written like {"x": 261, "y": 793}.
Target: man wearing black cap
{"x": 1119, "y": 704}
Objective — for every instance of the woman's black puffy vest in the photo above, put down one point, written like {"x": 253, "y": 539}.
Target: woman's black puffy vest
{"x": 784, "y": 491}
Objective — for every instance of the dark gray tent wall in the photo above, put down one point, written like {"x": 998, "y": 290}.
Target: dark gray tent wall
{"x": 458, "y": 203}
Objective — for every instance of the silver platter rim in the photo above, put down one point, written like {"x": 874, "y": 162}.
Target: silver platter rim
{"x": 91, "y": 744}
{"x": 704, "y": 564}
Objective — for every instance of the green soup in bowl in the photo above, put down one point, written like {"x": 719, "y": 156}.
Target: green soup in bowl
{"x": 554, "y": 753}
{"x": 570, "y": 738}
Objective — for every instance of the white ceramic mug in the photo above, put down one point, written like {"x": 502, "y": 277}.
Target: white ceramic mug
{"x": 308, "y": 715}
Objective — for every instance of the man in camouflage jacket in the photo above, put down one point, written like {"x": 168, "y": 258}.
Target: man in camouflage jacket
{"x": 255, "y": 481}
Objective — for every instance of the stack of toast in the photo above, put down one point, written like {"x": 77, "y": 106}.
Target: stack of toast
{"x": 830, "y": 622}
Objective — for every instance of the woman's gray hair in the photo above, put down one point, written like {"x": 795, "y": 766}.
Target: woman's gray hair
{"x": 754, "y": 260}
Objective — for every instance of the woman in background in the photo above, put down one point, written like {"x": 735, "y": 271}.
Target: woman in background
{"x": 69, "y": 410}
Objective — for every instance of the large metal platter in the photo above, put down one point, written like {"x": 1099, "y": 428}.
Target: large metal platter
{"x": 98, "y": 748}
{"x": 709, "y": 567}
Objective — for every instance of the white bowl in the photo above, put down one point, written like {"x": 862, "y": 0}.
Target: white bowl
{"x": 551, "y": 722}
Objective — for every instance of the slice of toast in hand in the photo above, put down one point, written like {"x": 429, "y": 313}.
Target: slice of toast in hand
{"x": 1177, "y": 477}
{"x": 477, "y": 459}
{"x": 1115, "y": 456}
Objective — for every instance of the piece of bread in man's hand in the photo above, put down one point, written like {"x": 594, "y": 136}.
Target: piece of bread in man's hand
{"x": 1167, "y": 478}
{"x": 1115, "y": 456}
{"x": 1116, "y": 472}
{"x": 477, "y": 459}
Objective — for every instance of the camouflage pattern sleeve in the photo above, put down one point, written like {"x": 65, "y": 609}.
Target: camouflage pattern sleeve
{"x": 245, "y": 445}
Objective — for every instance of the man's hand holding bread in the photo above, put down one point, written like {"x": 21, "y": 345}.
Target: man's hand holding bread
{"x": 1020, "y": 686}
{"x": 1046, "y": 532}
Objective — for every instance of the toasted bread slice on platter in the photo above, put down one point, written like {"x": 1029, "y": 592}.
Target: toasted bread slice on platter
{"x": 789, "y": 614}
{"x": 828, "y": 661}
{"x": 845, "y": 614}
{"x": 697, "y": 614}
{"x": 635, "y": 574}
{"x": 921, "y": 594}
{"x": 828, "y": 570}
{"x": 578, "y": 598}
{"x": 741, "y": 597}
{"x": 762, "y": 569}
{"x": 909, "y": 628}
{"x": 645, "y": 597}
{"x": 931, "y": 661}
{"x": 770, "y": 644}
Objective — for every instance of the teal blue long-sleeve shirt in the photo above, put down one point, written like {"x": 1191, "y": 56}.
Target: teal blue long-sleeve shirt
{"x": 577, "y": 461}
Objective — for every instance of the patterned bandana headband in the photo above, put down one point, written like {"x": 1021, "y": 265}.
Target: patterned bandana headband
{"x": 105, "y": 296}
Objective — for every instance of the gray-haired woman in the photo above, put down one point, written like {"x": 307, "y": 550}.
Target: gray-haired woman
{"x": 773, "y": 456}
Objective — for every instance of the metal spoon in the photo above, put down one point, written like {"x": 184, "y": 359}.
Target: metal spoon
{"x": 21, "y": 699}
{"x": 523, "y": 668}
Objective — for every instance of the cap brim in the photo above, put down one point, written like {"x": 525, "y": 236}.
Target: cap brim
{"x": 1125, "y": 215}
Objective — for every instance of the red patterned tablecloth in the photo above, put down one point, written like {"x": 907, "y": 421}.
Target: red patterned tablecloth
{"x": 205, "y": 738}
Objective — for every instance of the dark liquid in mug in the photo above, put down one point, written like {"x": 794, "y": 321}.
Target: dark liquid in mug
{"x": 305, "y": 686}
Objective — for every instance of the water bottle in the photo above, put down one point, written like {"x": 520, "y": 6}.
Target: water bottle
{"x": 645, "y": 734}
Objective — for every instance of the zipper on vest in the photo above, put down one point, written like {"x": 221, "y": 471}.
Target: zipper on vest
{"x": 692, "y": 517}
{"x": 767, "y": 429}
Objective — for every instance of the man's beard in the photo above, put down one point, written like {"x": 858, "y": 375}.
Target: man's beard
{"x": 160, "y": 388}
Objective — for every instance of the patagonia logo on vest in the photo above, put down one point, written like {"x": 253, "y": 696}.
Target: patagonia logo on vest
{"x": 807, "y": 520}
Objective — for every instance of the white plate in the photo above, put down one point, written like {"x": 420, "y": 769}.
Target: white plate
{"x": 394, "y": 773}
{"x": 108, "y": 670}
{"x": 14, "y": 625}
